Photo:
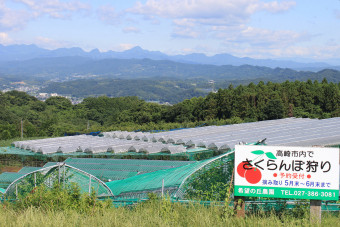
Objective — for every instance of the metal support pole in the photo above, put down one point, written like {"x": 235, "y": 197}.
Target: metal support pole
{"x": 64, "y": 177}
{"x": 90, "y": 185}
{"x": 59, "y": 173}
{"x": 315, "y": 211}
{"x": 35, "y": 180}
{"x": 162, "y": 187}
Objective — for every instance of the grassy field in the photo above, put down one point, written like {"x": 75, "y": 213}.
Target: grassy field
{"x": 150, "y": 214}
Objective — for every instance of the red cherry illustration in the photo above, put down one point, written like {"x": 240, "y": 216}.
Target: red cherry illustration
{"x": 309, "y": 176}
{"x": 275, "y": 174}
{"x": 241, "y": 168}
{"x": 253, "y": 176}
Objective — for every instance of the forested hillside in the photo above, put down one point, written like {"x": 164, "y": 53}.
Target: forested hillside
{"x": 62, "y": 67}
{"x": 172, "y": 91}
{"x": 232, "y": 105}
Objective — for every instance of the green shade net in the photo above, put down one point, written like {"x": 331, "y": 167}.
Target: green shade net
{"x": 62, "y": 174}
{"x": 28, "y": 169}
{"x": 7, "y": 178}
{"x": 118, "y": 169}
{"x": 177, "y": 181}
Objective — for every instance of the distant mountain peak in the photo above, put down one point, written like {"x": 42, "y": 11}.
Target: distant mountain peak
{"x": 135, "y": 49}
{"x": 95, "y": 51}
{"x": 25, "y": 52}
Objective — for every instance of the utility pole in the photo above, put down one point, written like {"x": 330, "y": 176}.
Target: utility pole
{"x": 22, "y": 129}
{"x": 88, "y": 124}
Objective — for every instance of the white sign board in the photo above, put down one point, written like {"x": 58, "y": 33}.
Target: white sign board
{"x": 287, "y": 172}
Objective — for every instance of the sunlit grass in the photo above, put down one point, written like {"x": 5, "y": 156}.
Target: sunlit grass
{"x": 149, "y": 214}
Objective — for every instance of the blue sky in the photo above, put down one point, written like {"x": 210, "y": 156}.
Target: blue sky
{"x": 244, "y": 28}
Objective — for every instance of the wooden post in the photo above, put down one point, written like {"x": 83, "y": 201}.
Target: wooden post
{"x": 315, "y": 211}
{"x": 239, "y": 206}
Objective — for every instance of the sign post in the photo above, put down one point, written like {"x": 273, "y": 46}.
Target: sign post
{"x": 315, "y": 211}
{"x": 239, "y": 206}
{"x": 287, "y": 172}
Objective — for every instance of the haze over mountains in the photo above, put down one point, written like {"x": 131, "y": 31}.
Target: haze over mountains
{"x": 150, "y": 75}
{"x": 28, "y": 52}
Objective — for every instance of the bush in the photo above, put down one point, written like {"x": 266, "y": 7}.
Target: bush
{"x": 59, "y": 198}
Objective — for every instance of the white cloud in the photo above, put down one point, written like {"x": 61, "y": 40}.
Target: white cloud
{"x": 51, "y": 44}
{"x": 186, "y": 28}
{"x": 14, "y": 19}
{"x": 55, "y": 8}
{"x": 5, "y": 39}
{"x": 260, "y": 37}
{"x": 131, "y": 30}
{"x": 221, "y": 19}
{"x": 125, "y": 46}
{"x": 108, "y": 14}
{"x": 209, "y": 11}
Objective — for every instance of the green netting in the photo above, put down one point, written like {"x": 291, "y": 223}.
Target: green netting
{"x": 111, "y": 175}
{"x": 141, "y": 166}
{"x": 28, "y": 169}
{"x": 50, "y": 164}
{"x": 7, "y": 178}
{"x": 118, "y": 169}
{"x": 63, "y": 174}
{"x": 176, "y": 180}
{"x": 164, "y": 163}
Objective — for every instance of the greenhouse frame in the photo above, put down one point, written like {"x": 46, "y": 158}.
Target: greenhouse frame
{"x": 60, "y": 173}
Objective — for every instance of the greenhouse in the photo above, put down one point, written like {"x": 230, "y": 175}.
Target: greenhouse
{"x": 288, "y": 132}
{"x": 94, "y": 144}
{"x": 126, "y": 179}
{"x": 60, "y": 173}
{"x": 174, "y": 182}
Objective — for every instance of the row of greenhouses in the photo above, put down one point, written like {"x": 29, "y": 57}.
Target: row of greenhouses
{"x": 95, "y": 144}
{"x": 289, "y": 131}
{"x": 134, "y": 179}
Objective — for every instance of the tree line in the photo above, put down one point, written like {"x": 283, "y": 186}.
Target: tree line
{"x": 243, "y": 103}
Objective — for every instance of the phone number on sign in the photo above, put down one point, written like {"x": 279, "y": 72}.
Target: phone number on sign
{"x": 308, "y": 193}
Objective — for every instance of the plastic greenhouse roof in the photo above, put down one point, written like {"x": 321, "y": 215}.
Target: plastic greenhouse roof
{"x": 288, "y": 131}
{"x": 93, "y": 145}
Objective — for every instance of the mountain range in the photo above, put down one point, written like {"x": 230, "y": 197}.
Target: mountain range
{"x": 27, "y": 52}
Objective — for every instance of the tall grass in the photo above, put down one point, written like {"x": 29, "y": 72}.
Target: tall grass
{"x": 155, "y": 213}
